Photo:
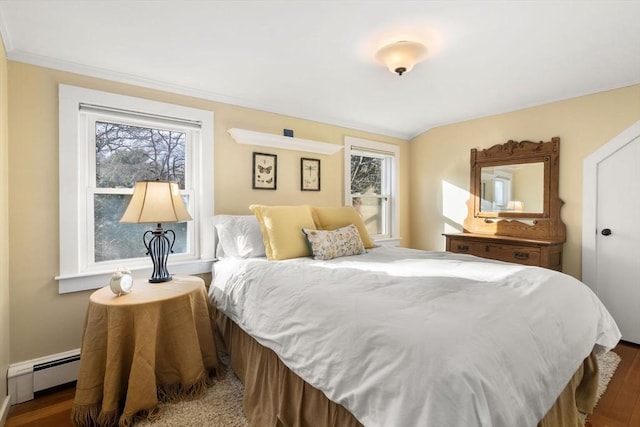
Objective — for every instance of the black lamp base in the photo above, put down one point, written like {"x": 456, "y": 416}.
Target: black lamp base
{"x": 158, "y": 248}
{"x": 154, "y": 279}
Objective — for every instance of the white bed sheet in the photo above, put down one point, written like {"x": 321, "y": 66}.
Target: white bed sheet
{"x": 403, "y": 337}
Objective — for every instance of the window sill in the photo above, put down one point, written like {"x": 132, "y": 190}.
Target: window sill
{"x": 389, "y": 241}
{"x": 99, "y": 279}
{"x": 242, "y": 136}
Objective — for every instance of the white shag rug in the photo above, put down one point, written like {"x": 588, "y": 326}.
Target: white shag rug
{"x": 221, "y": 405}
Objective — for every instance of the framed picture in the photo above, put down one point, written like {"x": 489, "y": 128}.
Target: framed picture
{"x": 264, "y": 171}
{"x": 309, "y": 174}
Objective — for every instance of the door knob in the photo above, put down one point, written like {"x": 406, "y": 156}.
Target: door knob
{"x": 606, "y": 232}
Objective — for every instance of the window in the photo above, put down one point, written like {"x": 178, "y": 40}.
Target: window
{"x": 107, "y": 143}
{"x": 126, "y": 152}
{"x": 371, "y": 185}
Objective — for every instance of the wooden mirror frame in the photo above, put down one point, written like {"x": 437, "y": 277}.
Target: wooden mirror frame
{"x": 546, "y": 225}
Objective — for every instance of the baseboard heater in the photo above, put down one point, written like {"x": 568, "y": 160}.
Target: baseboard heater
{"x": 28, "y": 377}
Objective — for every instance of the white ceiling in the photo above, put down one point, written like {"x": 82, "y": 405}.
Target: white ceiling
{"x": 315, "y": 59}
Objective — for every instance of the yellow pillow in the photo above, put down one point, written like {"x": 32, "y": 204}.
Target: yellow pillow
{"x": 331, "y": 218}
{"x": 282, "y": 230}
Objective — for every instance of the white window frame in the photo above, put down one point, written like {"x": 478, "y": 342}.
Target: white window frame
{"x": 77, "y": 273}
{"x": 391, "y": 155}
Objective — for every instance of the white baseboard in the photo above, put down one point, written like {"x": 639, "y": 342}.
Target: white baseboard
{"x": 4, "y": 410}
{"x": 25, "y": 378}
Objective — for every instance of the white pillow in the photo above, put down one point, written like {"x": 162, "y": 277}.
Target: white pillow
{"x": 239, "y": 236}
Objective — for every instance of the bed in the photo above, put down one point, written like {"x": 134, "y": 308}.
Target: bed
{"x": 400, "y": 337}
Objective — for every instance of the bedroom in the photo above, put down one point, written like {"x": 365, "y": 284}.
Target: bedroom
{"x": 37, "y": 321}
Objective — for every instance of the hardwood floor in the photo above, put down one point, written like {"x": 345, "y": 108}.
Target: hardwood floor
{"x": 619, "y": 406}
{"x": 48, "y": 409}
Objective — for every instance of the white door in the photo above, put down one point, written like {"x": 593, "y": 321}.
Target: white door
{"x": 618, "y": 237}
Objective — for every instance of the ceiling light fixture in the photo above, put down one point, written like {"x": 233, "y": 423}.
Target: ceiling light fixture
{"x": 400, "y": 57}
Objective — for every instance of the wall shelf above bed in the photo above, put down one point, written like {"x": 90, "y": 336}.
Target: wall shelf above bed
{"x": 243, "y": 136}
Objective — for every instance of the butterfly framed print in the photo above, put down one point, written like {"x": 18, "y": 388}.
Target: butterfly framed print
{"x": 264, "y": 171}
{"x": 309, "y": 174}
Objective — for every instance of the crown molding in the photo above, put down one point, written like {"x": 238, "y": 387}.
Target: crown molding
{"x": 116, "y": 76}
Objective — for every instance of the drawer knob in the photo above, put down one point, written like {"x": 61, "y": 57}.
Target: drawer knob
{"x": 520, "y": 255}
{"x": 463, "y": 248}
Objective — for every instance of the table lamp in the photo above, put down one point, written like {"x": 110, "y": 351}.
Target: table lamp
{"x": 157, "y": 202}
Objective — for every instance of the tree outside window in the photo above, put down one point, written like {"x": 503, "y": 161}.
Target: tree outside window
{"x": 125, "y": 154}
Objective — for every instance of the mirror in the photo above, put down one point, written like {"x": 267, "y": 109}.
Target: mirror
{"x": 512, "y": 188}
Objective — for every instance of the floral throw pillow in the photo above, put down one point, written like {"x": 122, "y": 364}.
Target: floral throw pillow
{"x": 329, "y": 244}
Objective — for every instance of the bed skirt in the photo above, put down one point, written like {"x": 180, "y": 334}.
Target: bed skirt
{"x": 274, "y": 396}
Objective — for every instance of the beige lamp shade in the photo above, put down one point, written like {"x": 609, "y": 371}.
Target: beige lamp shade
{"x": 400, "y": 57}
{"x": 156, "y": 202}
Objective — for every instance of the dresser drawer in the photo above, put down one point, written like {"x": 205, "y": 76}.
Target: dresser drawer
{"x": 511, "y": 253}
{"x": 518, "y": 254}
{"x": 463, "y": 246}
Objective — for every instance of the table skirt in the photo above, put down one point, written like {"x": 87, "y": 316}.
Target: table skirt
{"x": 134, "y": 358}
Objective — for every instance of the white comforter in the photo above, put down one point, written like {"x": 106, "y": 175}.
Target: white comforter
{"x": 404, "y": 338}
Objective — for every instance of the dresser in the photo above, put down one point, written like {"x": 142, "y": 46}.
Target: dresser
{"x": 513, "y": 213}
{"x": 540, "y": 253}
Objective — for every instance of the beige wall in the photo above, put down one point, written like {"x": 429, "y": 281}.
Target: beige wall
{"x": 4, "y": 226}
{"x": 43, "y": 322}
{"x": 440, "y": 160}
